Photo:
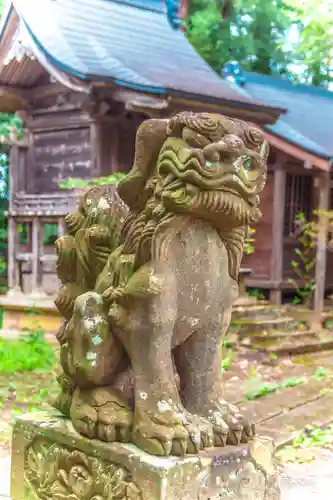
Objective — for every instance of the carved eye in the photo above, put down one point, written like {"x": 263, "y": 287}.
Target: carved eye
{"x": 248, "y": 164}
{"x": 194, "y": 139}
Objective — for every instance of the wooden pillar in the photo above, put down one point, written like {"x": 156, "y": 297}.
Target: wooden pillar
{"x": 95, "y": 145}
{"x": 61, "y": 227}
{"x": 323, "y": 186}
{"x": 13, "y": 281}
{"x": 104, "y": 147}
{"x": 12, "y": 252}
{"x": 114, "y": 152}
{"x": 279, "y": 201}
{"x": 37, "y": 274}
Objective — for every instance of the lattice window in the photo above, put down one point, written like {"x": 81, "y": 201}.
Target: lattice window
{"x": 24, "y": 230}
{"x": 50, "y": 233}
{"x": 298, "y": 199}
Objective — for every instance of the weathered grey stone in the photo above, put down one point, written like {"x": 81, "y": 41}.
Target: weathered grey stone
{"x": 147, "y": 302}
{"x": 51, "y": 461}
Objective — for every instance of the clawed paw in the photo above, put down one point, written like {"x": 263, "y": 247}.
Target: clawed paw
{"x": 229, "y": 425}
{"x": 171, "y": 431}
{"x": 101, "y": 414}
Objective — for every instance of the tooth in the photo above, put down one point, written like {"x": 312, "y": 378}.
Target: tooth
{"x": 168, "y": 179}
{"x": 176, "y": 184}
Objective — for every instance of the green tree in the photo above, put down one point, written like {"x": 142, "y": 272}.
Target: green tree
{"x": 253, "y": 34}
{"x": 314, "y": 49}
{"x": 3, "y": 210}
{"x": 75, "y": 183}
{"x": 10, "y": 127}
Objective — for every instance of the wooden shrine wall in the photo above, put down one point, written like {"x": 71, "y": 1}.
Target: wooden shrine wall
{"x": 329, "y": 257}
{"x": 57, "y": 155}
{"x": 60, "y": 148}
{"x": 64, "y": 141}
{"x": 260, "y": 260}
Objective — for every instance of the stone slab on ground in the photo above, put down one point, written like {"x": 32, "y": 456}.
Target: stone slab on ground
{"x": 5, "y": 477}
{"x": 282, "y": 428}
{"x": 15, "y": 334}
{"x": 272, "y": 405}
{"x": 309, "y": 481}
{"x": 21, "y": 313}
{"x": 45, "y": 443}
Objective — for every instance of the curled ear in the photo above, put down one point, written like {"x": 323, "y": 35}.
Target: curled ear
{"x": 178, "y": 122}
{"x": 150, "y": 138}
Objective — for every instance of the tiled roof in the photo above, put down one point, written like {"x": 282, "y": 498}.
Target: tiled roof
{"x": 111, "y": 40}
{"x": 309, "y": 120}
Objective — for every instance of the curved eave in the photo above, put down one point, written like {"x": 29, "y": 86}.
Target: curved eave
{"x": 322, "y": 161}
{"x": 6, "y": 18}
{"x": 269, "y": 114}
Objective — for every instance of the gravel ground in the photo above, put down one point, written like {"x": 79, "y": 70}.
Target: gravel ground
{"x": 4, "y": 477}
{"x": 311, "y": 481}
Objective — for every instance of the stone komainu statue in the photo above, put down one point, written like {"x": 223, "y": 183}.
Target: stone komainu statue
{"x": 147, "y": 300}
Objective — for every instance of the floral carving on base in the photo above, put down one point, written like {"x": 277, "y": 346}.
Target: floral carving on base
{"x": 243, "y": 482}
{"x": 54, "y": 472}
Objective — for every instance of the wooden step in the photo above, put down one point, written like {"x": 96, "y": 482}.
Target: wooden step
{"x": 249, "y": 327}
{"x": 292, "y": 349}
{"x": 277, "y": 338}
{"x": 258, "y": 312}
{"x": 289, "y": 343}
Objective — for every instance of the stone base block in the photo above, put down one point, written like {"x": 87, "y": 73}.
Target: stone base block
{"x": 52, "y": 462}
{"x": 22, "y": 313}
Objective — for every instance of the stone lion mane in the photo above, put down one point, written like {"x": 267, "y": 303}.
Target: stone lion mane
{"x": 149, "y": 197}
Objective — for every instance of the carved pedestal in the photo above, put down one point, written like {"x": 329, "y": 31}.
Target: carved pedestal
{"x": 52, "y": 462}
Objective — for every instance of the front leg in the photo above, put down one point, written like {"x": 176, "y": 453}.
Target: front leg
{"x": 198, "y": 363}
{"x": 161, "y": 426}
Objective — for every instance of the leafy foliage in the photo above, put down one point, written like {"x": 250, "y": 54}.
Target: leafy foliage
{"x": 306, "y": 445}
{"x": 272, "y": 387}
{"x": 249, "y": 241}
{"x": 74, "y": 183}
{"x": 29, "y": 353}
{"x": 10, "y": 127}
{"x": 257, "y": 35}
{"x": 256, "y": 293}
{"x": 3, "y": 211}
{"x": 227, "y": 361}
{"x": 314, "y": 21}
{"x": 253, "y": 35}
{"x": 303, "y": 265}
